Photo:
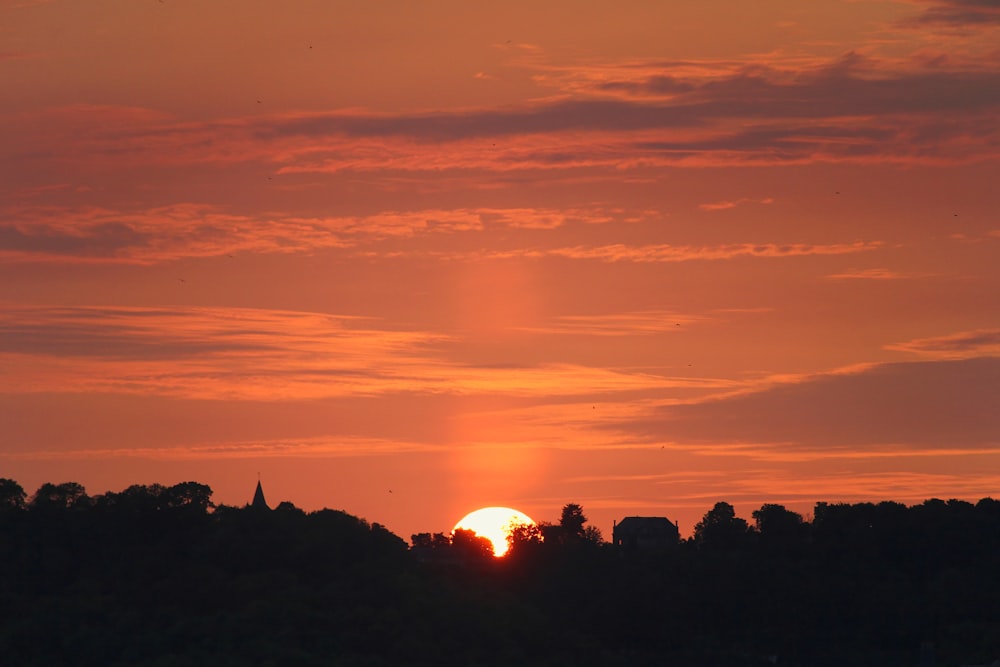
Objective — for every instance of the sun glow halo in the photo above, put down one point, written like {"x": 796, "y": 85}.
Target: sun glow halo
{"x": 494, "y": 523}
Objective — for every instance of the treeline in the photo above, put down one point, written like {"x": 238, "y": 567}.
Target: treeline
{"x": 158, "y": 575}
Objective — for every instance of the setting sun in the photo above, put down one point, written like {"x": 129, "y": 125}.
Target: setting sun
{"x": 494, "y": 523}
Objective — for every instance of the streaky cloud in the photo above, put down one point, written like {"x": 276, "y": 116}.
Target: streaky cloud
{"x": 725, "y": 205}
{"x": 961, "y": 345}
{"x": 657, "y": 253}
{"x": 958, "y": 13}
{"x": 285, "y": 448}
{"x": 853, "y": 108}
{"x": 639, "y": 323}
{"x": 672, "y": 253}
{"x": 186, "y": 230}
{"x": 928, "y": 404}
{"x": 874, "y": 274}
{"x": 266, "y": 355}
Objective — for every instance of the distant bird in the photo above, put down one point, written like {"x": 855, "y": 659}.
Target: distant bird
{"x": 182, "y": 280}
{"x": 258, "y": 101}
{"x": 837, "y": 192}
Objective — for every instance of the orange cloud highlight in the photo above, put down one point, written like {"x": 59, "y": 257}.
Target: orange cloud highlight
{"x": 726, "y": 205}
{"x": 874, "y": 274}
{"x": 244, "y": 354}
{"x": 97, "y": 235}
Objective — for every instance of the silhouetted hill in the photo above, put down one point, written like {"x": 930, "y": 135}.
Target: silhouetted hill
{"x": 157, "y": 576}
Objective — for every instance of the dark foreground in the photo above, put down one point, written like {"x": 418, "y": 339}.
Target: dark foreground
{"x": 154, "y": 576}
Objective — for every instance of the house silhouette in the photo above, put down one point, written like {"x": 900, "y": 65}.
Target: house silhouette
{"x": 645, "y": 533}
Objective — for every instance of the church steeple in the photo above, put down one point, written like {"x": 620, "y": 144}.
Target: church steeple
{"x": 258, "y": 498}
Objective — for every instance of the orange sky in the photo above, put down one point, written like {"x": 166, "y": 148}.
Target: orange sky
{"x": 410, "y": 259}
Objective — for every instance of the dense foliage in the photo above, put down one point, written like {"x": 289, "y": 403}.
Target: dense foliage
{"x": 157, "y": 576}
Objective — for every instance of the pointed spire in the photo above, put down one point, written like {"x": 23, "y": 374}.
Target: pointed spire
{"x": 258, "y": 498}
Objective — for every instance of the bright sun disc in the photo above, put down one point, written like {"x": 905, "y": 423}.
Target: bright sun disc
{"x": 494, "y": 523}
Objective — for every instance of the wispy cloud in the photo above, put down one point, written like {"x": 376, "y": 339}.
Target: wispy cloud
{"x": 642, "y": 323}
{"x": 728, "y": 204}
{"x": 874, "y": 274}
{"x": 674, "y": 253}
{"x": 648, "y": 254}
{"x": 265, "y": 355}
{"x": 88, "y": 234}
{"x": 855, "y": 108}
{"x": 792, "y": 486}
{"x": 160, "y": 234}
{"x": 962, "y": 345}
{"x": 907, "y": 486}
{"x": 657, "y": 253}
{"x": 933, "y": 405}
{"x": 91, "y": 234}
{"x": 285, "y": 448}
{"x": 959, "y": 13}
{"x": 682, "y": 477}
{"x": 850, "y": 87}
{"x": 204, "y": 353}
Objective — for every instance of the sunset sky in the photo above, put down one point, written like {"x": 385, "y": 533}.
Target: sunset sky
{"x": 407, "y": 259}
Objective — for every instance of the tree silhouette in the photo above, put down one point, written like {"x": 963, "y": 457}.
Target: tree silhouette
{"x": 189, "y": 495}
{"x": 571, "y": 521}
{"x": 720, "y": 529}
{"x": 154, "y": 575}
{"x": 430, "y": 541}
{"x": 592, "y": 534}
{"x": 59, "y": 496}
{"x": 523, "y": 541}
{"x": 467, "y": 544}
{"x": 12, "y": 496}
{"x": 779, "y": 527}
{"x": 572, "y": 528}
